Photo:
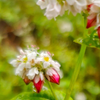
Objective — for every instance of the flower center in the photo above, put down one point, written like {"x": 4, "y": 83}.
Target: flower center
{"x": 46, "y": 58}
{"x": 32, "y": 61}
{"x": 25, "y": 59}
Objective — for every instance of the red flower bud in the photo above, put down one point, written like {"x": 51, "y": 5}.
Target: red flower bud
{"x": 91, "y": 22}
{"x": 38, "y": 83}
{"x": 27, "y": 81}
{"x": 98, "y": 32}
{"x": 53, "y": 76}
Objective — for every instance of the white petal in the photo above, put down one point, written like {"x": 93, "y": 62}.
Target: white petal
{"x": 41, "y": 76}
{"x": 96, "y": 2}
{"x": 27, "y": 65}
{"x": 32, "y": 72}
{"x": 15, "y": 63}
{"x": 42, "y": 3}
{"x": 21, "y": 51}
{"x": 21, "y": 66}
{"x": 46, "y": 64}
{"x": 98, "y": 18}
{"x": 95, "y": 9}
{"x": 37, "y": 78}
{"x": 81, "y": 2}
{"x": 31, "y": 56}
{"x": 70, "y": 2}
{"x": 49, "y": 72}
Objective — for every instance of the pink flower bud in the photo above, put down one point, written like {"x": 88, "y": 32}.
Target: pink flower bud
{"x": 53, "y": 76}
{"x": 91, "y": 22}
{"x": 98, "y": 32}
{"x": 27, "y": 81}
{"x": 38, "y": 83}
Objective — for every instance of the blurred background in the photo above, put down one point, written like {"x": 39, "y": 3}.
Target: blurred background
{"x": 23, "y": 23}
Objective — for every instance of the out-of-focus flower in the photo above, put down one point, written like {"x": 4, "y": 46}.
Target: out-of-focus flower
{"x": 94, "y": 16}
{"x": 80, "y": 96}
{"x": 58, "y": 7}
{"x": 33, "y": 66}
{"x": 53, "y": 8}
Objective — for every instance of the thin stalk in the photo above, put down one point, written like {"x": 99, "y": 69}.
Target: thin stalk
{"x": 76, "y": 71}
{"x": 52, "y": 90}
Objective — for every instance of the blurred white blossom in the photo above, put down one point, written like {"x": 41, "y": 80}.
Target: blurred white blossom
{"x": 80, "y": 96}
{"x": 58, "y": 7}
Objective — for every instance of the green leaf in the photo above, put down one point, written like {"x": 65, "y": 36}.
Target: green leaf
{"x": 44, "y": 95}
{"x": 91, "y": 41}
{"x": 34, "y": 96}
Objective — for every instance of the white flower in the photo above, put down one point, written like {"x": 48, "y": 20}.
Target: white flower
{"x": 15, "y": 63}
{"x": 32, "y": 57}
{"x": 45, "y": 58}
{"x": 76, "y": 6}
{"x": 32, "y": 72}
{"x": 43, "y": 3}
{"x": 53, "y": 10}
{"x": 22, "y": 68}
{"x": 55, "y": 65}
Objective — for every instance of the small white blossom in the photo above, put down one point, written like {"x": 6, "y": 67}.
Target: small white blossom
{"x": 53, "y": 8}
{"x": 43, "y": 3}
{"x": 15, "y": 63}
{"x": 45, "y": 58}
{"x": 32, "y": 72}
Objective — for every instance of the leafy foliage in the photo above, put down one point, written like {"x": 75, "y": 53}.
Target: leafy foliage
{"x": 91, "y": 40}
{"x": 46, "y": 95}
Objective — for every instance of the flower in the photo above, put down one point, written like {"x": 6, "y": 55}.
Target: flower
{"x": 26, "y": 80}
{"x": 32, "y": 72}
{"x": 94, "y": 16}
{"x": 53, "y": 8}
{"x": 52, "y": 75}
{"x": 38, "y": 81}
{"x": 58, "y": 7}
{"x": 34, "y": 66}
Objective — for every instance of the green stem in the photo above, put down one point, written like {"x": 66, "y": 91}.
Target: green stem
{"x": 51, "y": 88}
{"x": 76, "y": 71}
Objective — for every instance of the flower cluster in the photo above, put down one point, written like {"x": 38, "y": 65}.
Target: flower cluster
{"x": 58, "y": 7}
{"x": 94, "y": 15}
{"x": 33, "y": 66}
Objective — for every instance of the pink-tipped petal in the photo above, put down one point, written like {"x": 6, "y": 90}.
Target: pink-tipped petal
{"x": 38, "y": 85}
{"x": 55, "y": 78}
{"x": 98, "y": 32}
{"x": 91, "y": 22}
{"x": 27, "y": 81}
